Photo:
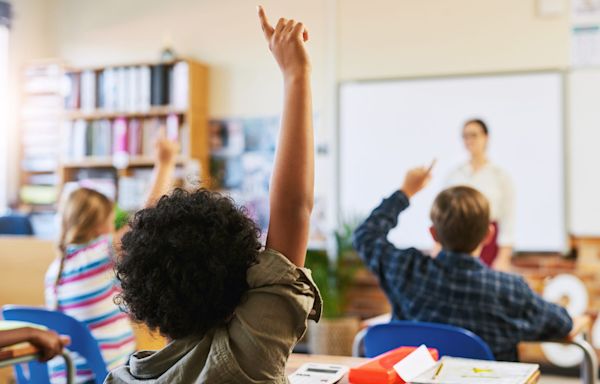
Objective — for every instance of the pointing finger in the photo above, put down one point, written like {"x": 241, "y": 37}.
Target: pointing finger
{"x": 264, "y": 23}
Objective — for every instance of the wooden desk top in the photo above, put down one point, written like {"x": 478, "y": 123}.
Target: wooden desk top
{"x": 297, "y": 359}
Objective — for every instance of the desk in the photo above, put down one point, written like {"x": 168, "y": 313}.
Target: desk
{"x": 297, "y": 359}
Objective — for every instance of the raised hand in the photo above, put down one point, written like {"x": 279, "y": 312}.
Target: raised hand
{"x": 166, "y": 149}
{"x": 292, "y": 185}
{"x": 416, "y": 179}
{"x": 286, "y": 42}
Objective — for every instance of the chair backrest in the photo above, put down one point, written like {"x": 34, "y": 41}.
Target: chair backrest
{"x": 15, "y": 225}
{"x": 82, "y": 340}
{"x": 447, "y": 339}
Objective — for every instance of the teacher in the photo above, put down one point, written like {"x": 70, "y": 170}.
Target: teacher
{"x": 496, "y": 185}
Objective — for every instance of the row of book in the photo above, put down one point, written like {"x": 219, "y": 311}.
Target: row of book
{"x": 43, "y": 79}
{"x": 131, "y": 137}
{"x": 40, "y": 124}
{"x": 128, "y": 89}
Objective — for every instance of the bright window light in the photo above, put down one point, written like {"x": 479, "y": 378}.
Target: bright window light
{"x": 3, "y": 115}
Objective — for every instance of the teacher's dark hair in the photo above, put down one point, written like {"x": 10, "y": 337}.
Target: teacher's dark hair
{"x": 480, "y": 122}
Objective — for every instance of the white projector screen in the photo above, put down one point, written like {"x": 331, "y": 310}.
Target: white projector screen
{"x": 389, "y": 127}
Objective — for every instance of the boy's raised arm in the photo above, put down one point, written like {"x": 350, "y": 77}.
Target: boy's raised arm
{"x": 292, "y": 185}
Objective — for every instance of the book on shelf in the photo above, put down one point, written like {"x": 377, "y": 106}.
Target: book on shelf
{"x": 38, "y": 194}
{"x": 128, "y": 88}
{"x": 43, "y": 78}
{"x": 179, "y": 90}
{"x": 40, "y": 163}
{"x": 72, "y": 85}
{"x": 135, "y": 137}
{"x": 40, "y": 135}
{"x": 121, "y": 137}
{"x": 88, "y": 91}
{"x": 159, "y": 94}
{"x": 42, "y": 179}
{"x": 133, "y": 189}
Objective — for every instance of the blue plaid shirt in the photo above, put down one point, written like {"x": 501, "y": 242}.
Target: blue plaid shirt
{"x": 455, "y": 288}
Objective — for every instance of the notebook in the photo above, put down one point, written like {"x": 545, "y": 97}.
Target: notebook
{"x": 451, "y": 370}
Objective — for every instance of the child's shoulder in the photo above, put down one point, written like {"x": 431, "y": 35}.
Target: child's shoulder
{"x": 100, "y": 240}
{"x": 100, "y": 244}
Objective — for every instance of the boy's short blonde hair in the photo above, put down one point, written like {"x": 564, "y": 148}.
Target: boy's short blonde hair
{"x": 461, "y": 218}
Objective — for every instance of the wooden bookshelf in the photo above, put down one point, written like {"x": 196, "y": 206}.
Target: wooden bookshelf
{"x": 194, "y": 117}
{"x": 100, "y": 114}
{"x": 191, "y": 115}
{"x": 39, "y": 132}
{"x": 107, "y": 162}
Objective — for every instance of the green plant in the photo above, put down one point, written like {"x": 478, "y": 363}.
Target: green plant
{"x": 334, "y": 277}
{"x": 121, "y": 217}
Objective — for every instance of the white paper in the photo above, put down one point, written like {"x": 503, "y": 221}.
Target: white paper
{"x": 413, "y": 365}
{"x": 585, "y": 45}
{"x": 469, "y": 371}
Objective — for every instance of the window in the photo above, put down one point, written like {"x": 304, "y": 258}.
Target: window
{"x": 4, "y": 34}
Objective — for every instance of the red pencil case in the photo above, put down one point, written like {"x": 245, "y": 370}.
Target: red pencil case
{"x": 380, "y": 369}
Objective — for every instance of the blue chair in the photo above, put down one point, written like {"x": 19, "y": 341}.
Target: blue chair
{"x": 447, "y": 339}
{"x": 15, "y": 224}
{"x": 82, "y": 341}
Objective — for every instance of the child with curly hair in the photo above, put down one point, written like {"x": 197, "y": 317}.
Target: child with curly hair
{"x": 81, "y": 281}
{"x": 192, "y": 266}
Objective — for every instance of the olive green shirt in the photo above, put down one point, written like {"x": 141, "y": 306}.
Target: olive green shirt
{"x": 253, "y": 347}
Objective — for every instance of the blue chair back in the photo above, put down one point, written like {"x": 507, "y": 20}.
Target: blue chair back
{"x": 447, "y": 339}
{"x": 82, "y": 341}
{"x": 15, "y": 224}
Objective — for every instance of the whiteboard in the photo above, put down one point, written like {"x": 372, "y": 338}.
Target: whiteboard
{"x": 584, "y": 152}
{"x": 389, "y": 127}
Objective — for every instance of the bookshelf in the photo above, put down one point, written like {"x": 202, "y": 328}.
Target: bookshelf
{"x": 108, "y": 119}
{"x": 112, "y": 116}
{"x": 40, "y": 120}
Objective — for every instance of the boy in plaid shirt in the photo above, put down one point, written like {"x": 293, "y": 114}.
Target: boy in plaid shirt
{"x": 455, "y": 287}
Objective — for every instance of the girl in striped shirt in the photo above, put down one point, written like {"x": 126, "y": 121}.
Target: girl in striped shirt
{"x": 81, "y": 281}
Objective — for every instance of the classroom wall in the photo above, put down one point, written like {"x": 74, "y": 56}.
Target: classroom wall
{"x": 223, "y": 33}
{"x": 378, "y": 39}
{"x": 350, "y": 40}
{"x": 400, "y": 38}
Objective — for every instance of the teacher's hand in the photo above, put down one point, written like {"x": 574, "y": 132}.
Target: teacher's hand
{"x": 416, "y": 179}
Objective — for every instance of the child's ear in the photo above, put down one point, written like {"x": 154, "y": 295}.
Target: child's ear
{"x": 434, "y": 234}
{"x": 489, "y": 238}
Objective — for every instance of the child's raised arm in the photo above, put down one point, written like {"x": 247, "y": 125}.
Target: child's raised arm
{"x": 292, "y": 185}
{"x": 164, "y": 167}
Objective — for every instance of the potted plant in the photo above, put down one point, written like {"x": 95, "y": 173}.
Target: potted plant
{"x": 334, "y": 334}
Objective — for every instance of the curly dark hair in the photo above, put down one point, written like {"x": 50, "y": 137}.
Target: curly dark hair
{"x": 184, "y": 262}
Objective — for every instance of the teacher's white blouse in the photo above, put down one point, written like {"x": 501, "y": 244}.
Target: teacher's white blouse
{"x": 497, "y": 186}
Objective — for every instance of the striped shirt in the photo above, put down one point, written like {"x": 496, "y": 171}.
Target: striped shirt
{"x": 86, "y": 291}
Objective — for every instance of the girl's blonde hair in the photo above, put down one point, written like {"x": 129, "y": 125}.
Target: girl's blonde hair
{"x": 82, "y": 213}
